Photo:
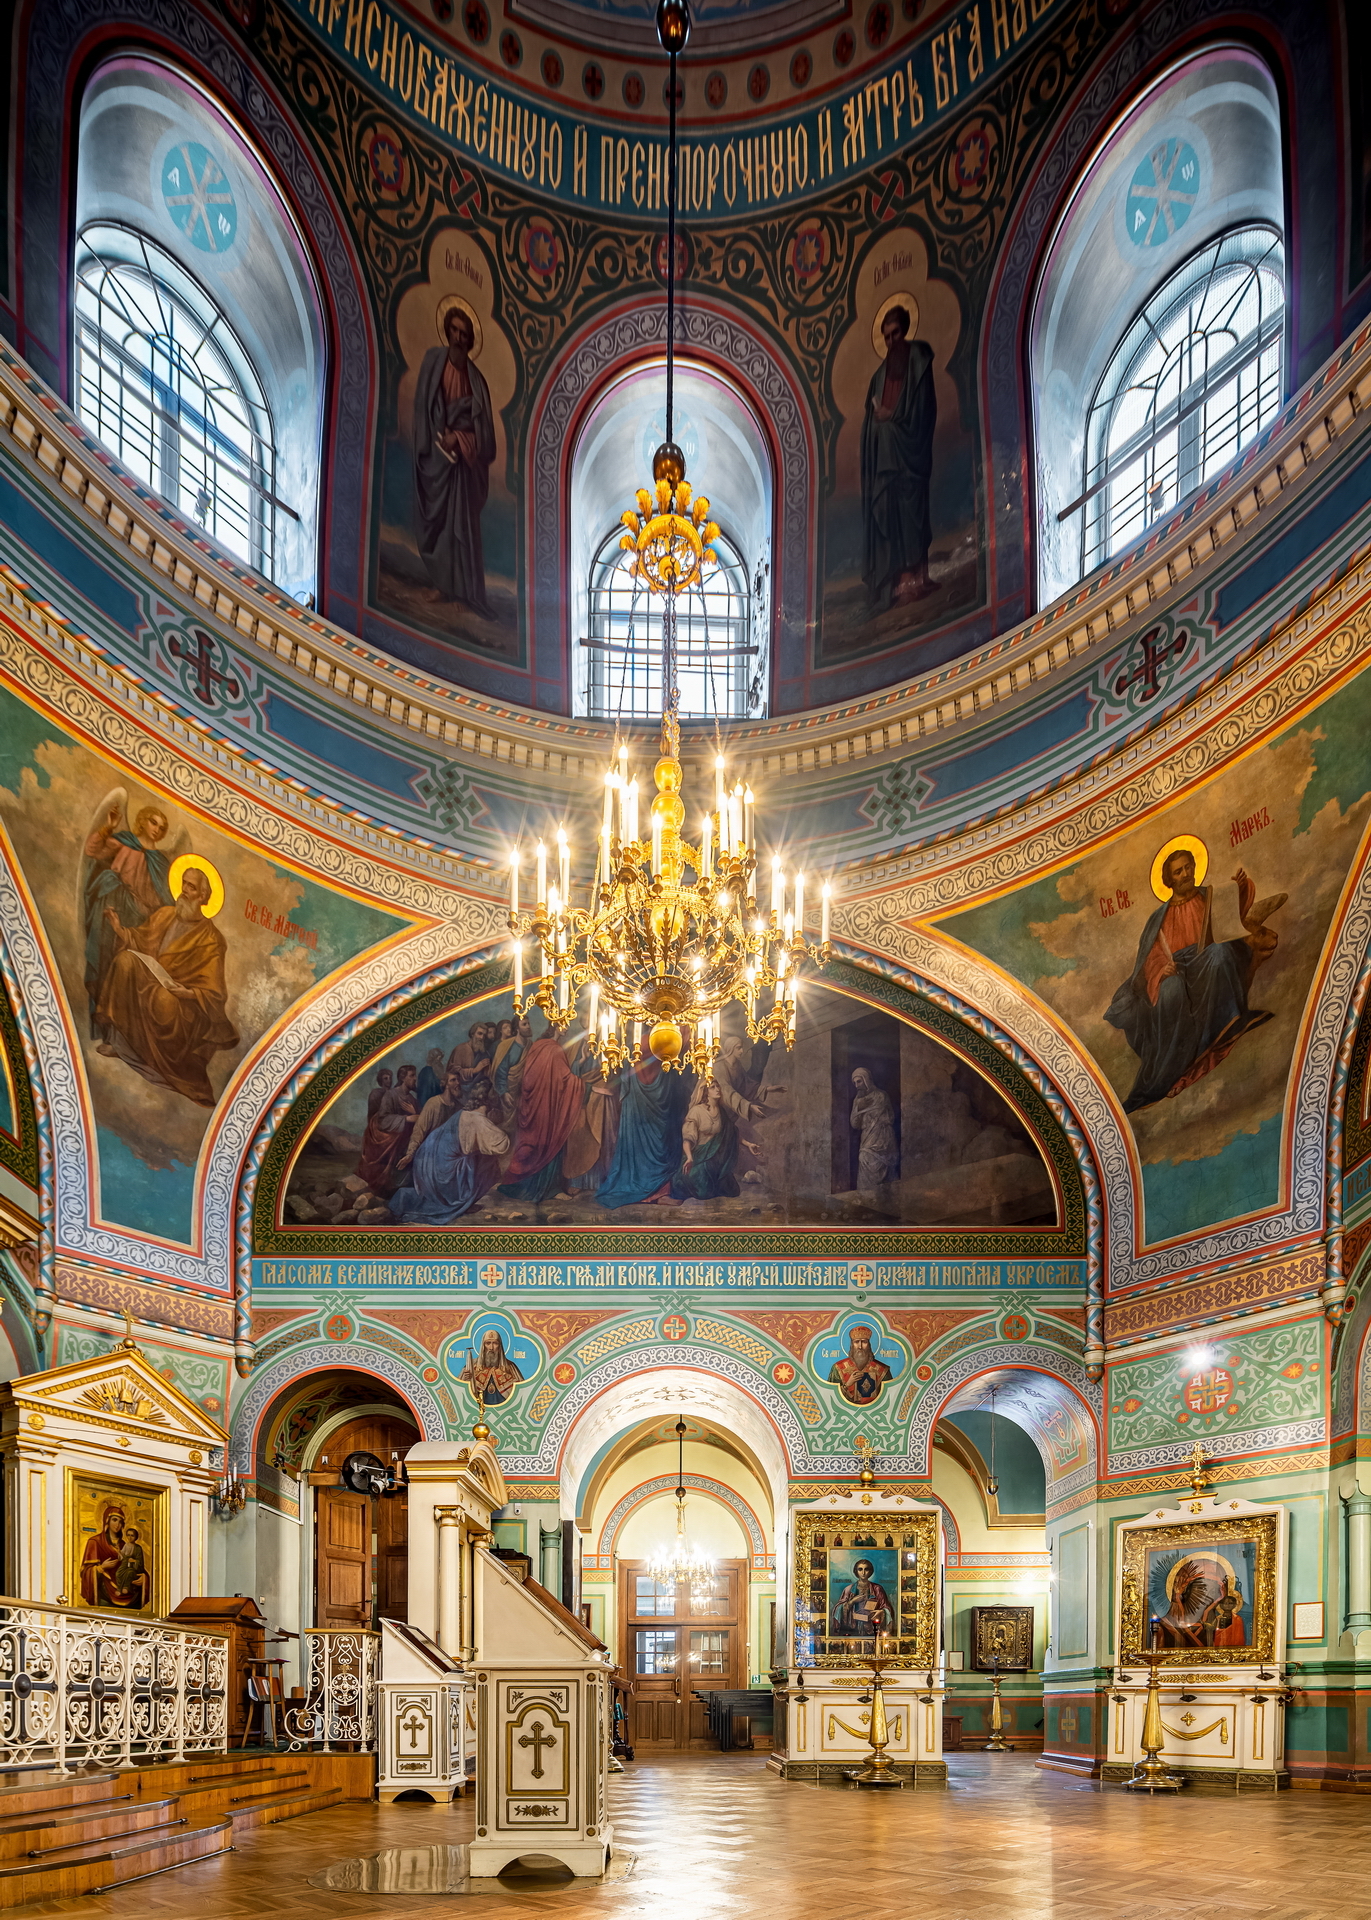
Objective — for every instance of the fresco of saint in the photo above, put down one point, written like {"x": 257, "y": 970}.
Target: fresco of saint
{"x": 1184, "y": 1006}
{"x": 859, "y": 1375}
{"x": 163, "y": 1002}
{"x": 454, "y": 446}
{"x": 897, "y": 467}
{"x": 490, "y": 1374}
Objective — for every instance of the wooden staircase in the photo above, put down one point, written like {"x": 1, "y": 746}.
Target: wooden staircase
{"x": 63, "y": 1834}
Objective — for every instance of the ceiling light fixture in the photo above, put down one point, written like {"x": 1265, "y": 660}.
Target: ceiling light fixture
{"x": 661, "y": 955}
{"x": 680, "y": 1562}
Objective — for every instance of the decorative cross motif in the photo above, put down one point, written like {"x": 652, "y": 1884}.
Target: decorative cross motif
{"x": 207, "y": 675}
{"x": 1199, "y": 1479}
{"x": 414, "y": 1726}
{"x": 538, "y": 1739}
{"x": 1066, "y": 1723}
{"x": 1153, "y": 660}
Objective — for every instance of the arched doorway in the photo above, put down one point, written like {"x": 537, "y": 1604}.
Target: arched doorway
{"x": 355, "y": 1544}
{"x": 619, "y": 1474}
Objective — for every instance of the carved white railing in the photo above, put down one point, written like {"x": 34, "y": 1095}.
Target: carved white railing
{"x": 82, "y": 1689}
{"x": 344, "y": 1664}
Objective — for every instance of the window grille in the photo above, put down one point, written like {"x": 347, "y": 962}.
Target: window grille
{"x": 1197, "y": 374}
{"x": 721, "y": 666}
{"x": 163, "y": 380}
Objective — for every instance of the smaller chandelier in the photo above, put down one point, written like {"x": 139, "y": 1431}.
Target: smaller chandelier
{"x": 680, "y": 1562}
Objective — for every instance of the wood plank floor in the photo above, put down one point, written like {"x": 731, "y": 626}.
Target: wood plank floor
{"x": 719, "y": 1838}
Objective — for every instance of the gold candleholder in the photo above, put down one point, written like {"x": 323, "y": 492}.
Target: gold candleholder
{"x": 997, "y": 1742}
{"x": 878, "y": 1771}
{"x": 1150, "y": 1775}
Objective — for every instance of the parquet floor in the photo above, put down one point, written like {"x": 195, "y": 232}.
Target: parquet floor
{"x": 719, "y": 1838}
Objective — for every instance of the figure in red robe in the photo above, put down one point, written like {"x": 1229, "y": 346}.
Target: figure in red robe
{"x": 550, "y": 1097}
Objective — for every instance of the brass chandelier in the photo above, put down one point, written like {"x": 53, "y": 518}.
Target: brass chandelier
{"x": 681, "y": 1562}
{"x": 672, "y": 930}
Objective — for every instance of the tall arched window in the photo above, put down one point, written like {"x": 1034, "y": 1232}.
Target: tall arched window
{"x": 164, "y": 380}
{"x": 718, "y": 656}
{"x": 197, "y": 336}
{"x": 722, "y": 626}
{"x": 1197, "y": 373}
{"x": 1157, "y": 341}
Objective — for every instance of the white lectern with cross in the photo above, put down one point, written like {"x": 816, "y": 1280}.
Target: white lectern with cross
{"x": 542, "y": 1730}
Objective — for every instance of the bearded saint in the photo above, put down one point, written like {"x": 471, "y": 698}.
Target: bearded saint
{"x": 164, "y": 1002}
{"x": 491, "y": 1376}
{"x": 859, "y": 1375}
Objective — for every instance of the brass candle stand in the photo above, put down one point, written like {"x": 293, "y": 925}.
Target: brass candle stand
{"x": 1150, "y": 1775}
{"x": 878, "y": 1771}
{"x": 997, "y": 1742}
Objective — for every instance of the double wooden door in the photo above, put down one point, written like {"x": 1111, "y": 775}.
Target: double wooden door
{"x": 675, "y": 1647}
{"x": 361, "y": 1541}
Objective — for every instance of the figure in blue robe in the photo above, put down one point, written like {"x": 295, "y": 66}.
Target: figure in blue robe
{"x": 648, "y": 1150}
{"x": 456, "y": 1163}
{"x": 1184, "y": 1006}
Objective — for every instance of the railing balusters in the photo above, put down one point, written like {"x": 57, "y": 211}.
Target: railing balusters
{"x": 340, "y": 1708}
{"x": 80, "y": 1689}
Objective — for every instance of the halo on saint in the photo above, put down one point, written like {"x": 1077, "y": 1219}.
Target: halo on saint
{"x": 182, "y": 865}
{"x": 1202, "y": 1553}
{"x": 901, "y": 299}
{"x": 453, "y": 302}
{"x": 1183, "y": 843}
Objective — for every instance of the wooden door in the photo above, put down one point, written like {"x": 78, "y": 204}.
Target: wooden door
{"x": 343, "y": 1558}
{"x": 675, "y": 1648}
{"x": 361, "y": 1551}
{"x": 392, "y": 1556}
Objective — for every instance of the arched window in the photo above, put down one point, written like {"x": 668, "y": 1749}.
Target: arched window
{"x": 1157, "y": 342}
{"x": 197, "y": 333}
{"x": 1197, "y": 373}
{"x": 718, "y": 658}
{"x": 164, "y": 381}
{"x": 723, "y": 624}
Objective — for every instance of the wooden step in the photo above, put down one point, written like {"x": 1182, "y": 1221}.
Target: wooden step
{"x": 22, "y": 1793}
{"x": 97, "y": 1820}
{"x": 284, "y": 1806}
{"x": 83, "y": 1847}
{"x": 101, "y": 1866}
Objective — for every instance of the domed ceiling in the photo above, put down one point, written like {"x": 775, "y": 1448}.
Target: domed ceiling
{"x": 745, "y": 57}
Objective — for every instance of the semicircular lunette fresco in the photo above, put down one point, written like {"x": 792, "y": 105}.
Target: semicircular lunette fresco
{"x": 478, "y": 1120}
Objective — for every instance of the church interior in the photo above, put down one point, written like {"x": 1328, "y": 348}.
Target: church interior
{"x": 685, "y": 902}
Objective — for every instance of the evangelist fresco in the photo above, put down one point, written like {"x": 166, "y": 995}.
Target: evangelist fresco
{"x": 485, "y": 1119}
{"x": 176, "y": 947}
{"x": 900, "y": 525}
{"x": 1182, "y": 955}
{"x": 446, "y": 549}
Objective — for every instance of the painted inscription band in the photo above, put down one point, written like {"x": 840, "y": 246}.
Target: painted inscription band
{"x": 570, "y": 160}
{"x": 615, "y": 1276}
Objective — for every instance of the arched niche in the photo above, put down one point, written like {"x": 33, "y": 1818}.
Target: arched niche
{"x": 158, "y": 161}
{"x": 727, "y": 459}
{"x": 1119, "y": 240}
{"x": 891, "y": 1122}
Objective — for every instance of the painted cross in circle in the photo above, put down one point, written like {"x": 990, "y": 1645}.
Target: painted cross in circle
{"x": 1162, "y": 193}
{"x": 538, "y": 1739}
{"x": 1155, "y": 656}
{"x": 414, "y": 1726}
{"x": 207, "y": 675}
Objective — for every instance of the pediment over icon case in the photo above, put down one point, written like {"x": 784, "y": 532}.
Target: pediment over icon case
{"x": 888, "y": 1120}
